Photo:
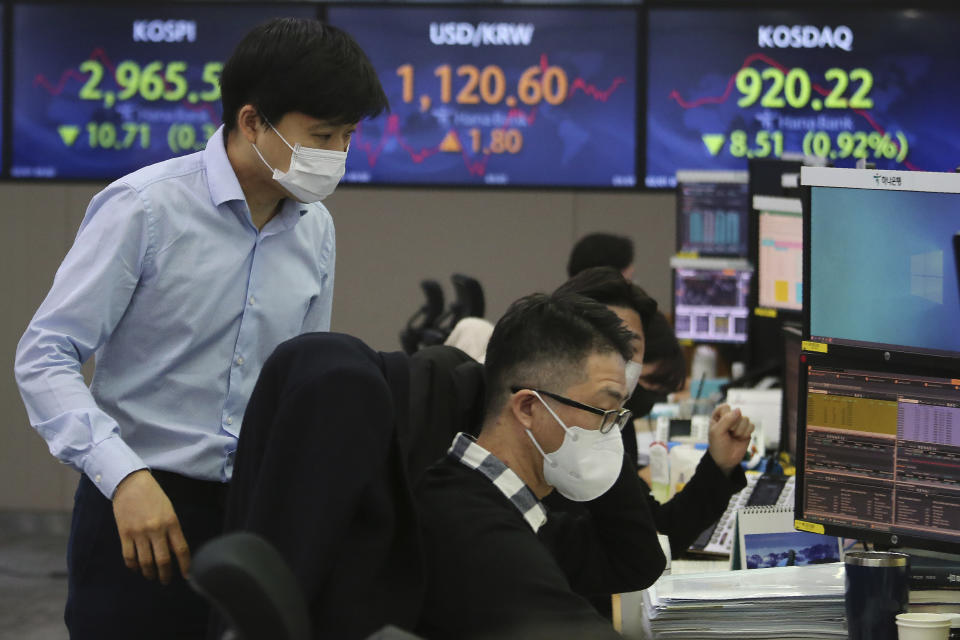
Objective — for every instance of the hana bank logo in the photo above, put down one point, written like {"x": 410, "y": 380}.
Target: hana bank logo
{"x": 887, "y": 181}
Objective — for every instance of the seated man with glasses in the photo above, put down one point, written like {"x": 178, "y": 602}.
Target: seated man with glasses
{"x": 496, "y": 564}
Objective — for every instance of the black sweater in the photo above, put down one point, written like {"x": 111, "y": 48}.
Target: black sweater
{"x": 489, "y": 575}
{"x": 698, "y": 505}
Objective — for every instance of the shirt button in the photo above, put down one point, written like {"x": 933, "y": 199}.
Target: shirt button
{"x": 252, "y": 300}
{"x": 229, "y": 419}
{"x": 239, "y": 359}
{"x": 98, "y": 478}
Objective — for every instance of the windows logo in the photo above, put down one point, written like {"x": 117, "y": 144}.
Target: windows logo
{"x": 926, "y": 276}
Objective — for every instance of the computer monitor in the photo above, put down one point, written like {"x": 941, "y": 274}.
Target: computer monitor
{"x": 790, "y": 383}
{"x": 767, "y": 176}
{"x": 710, "y": 299}
{"x": 712, "y": 208}
{"x": 776, "y": 292}
{"x": 878, "y": 253}
{"x": 878, "y": 455}
{"x": 779, "y": 252}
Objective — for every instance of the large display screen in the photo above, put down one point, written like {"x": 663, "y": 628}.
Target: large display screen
{"x": 498, "y": 96}
{"x": 882, "y": 270}
{"x": 728, "y": 85}
{"x": 100, "y": 91}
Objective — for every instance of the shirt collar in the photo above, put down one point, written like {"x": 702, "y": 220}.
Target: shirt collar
{"x": 224, "y": 186}
{"x": 221, "y": 178}
{"x": 466, "y": 451}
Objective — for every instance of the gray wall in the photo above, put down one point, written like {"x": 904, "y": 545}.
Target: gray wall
{"x": 514, "y": 242}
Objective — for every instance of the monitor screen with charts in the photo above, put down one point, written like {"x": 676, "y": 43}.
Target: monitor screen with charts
{"x": 710, "y": 299}
{"x": 880, "y": 453}
{"x": 727, "y": 84}
{"x": 712, "y": 208}
{"x": 99, "y": 90}
{"x": 881, "y": 258}
{"x": 498, "y": 95}
{"x": 779, "y": 252}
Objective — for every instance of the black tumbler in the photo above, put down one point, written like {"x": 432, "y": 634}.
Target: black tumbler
{"x": 877, "y": 589}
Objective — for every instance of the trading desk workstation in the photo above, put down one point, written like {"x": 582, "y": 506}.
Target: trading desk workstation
{"x": 816, "y": 278}
{"x": 864, "y": 261}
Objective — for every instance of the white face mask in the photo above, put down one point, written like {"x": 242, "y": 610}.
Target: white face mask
{"x": 313, "y": 173}
{"x": 634, "y": 371}
{"x": 587, "y": 463}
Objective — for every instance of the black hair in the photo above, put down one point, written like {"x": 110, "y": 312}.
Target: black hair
{"x": 544, "y": 341}
{"x": 662, "y": 347}
{"x": 300, "y": 64}
{"x": 607, "y": 285}
{"x": 600, "y": 250}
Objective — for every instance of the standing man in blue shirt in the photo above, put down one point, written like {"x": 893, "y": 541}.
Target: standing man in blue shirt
{"x": 183, "y": 278}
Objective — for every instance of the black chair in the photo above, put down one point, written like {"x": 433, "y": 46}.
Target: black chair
{"x": 446, "y": 397}
{"x": 423, "y": 326}
{"x": 320, "y": 473}
{"x": 469, "y": 301}
{"x": 245, "y": 578}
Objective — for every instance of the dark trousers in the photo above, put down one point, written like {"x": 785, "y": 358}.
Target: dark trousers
{"x": 105, "y": 599}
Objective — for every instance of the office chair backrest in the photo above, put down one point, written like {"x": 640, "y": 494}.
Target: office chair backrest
{"x": 423, "y": 326}
{"x": 446, "y": 397}
{"x": 245, "y": 578}
{"x": 248, "y": 582}
{"x": 320, "y": 473}
{"x": 434, "y": 306}
{"x": 469, "y": 294}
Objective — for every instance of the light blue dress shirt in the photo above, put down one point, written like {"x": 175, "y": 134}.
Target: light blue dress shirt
{"x": 180, "y": 297}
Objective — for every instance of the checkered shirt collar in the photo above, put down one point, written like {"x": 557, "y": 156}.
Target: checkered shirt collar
{"x": 466, "y": 451}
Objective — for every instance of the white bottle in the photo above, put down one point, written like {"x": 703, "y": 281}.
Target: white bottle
{"x": 660, "y": 472}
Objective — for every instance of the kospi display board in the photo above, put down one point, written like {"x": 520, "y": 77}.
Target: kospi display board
{"x": 498, "y": 95}
{"x": 99, "y": 91}
{"x": 726, "y": 85}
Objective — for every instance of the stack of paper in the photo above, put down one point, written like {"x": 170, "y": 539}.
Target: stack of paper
{"x": 781, "y": 602}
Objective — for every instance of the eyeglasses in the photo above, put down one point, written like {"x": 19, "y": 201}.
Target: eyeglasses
{"x": 610, "y": 418}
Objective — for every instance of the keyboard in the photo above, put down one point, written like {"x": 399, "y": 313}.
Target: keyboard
{"x": 719, "y": 539}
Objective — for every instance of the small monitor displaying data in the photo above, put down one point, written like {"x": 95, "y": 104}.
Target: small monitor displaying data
{"x": 880, "y": 453}
{"x": 790, "y": 383}
{"x": 779, "y": 252}
{"x": 498, "y": 95}
{"x": 712, "y": 209}
{"x": 882, "y": 270}
{"x": 102, "y": 90}
{"x": 710, "y": 299}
